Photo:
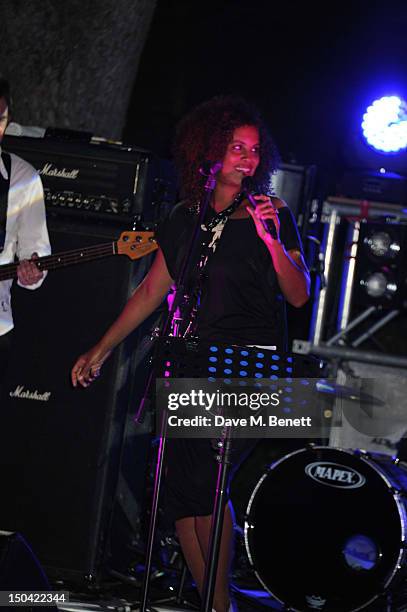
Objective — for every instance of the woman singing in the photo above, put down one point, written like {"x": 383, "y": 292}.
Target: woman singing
{"x": 248, "y": 277}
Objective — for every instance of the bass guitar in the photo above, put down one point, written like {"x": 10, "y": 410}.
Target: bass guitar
{"x": 133, "y": 244}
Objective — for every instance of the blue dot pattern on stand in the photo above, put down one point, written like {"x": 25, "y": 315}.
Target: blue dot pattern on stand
{"x": 266, "y": 368}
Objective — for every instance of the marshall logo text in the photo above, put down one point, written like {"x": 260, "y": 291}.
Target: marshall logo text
{"x": 21, "y": 393}
{"x": 51, "y": 170}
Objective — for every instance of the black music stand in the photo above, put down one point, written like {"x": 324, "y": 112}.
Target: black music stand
{"x": 180, "y": 358}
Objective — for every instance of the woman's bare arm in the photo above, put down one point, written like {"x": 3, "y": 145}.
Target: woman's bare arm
{"x": 145, "y": 299}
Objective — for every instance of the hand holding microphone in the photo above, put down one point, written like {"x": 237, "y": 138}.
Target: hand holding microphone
{"x": 264, "y": 214}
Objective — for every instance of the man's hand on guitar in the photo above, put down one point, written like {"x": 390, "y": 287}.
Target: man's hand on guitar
{"x": 87, "y": 366}
{"x": 27, "y": 271}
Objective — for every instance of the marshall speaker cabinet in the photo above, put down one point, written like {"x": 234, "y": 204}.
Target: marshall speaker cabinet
{"x": 61, "y": 448}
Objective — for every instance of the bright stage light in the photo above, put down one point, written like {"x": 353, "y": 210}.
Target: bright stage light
{"x": 378, "y": 285}
{"x": 385, "y": 124}
{"x": 380, "y": 272}
{"x": 381, "y": 244}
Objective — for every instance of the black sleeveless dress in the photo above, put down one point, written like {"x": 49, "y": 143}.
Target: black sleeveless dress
{"x": 241, "y": 303}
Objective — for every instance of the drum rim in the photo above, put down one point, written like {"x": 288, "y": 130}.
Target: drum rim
{"x": 367, "y": 458}
{"x": 247, "y": 515}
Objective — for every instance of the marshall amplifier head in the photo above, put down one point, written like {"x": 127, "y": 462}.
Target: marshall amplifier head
{"x": 99, "y": 181}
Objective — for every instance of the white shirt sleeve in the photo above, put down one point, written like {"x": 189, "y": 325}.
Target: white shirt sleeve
{"x": 32, "y": 232}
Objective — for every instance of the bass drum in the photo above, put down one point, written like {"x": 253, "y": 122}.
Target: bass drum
{"x": 325, "y": 529}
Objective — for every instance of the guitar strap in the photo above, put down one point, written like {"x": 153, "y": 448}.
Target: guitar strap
{"x": 4, "y": 191}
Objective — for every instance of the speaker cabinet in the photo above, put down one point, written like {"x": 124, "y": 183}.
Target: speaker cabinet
{"x": 60, "y": 447}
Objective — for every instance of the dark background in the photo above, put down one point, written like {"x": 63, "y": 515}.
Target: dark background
{"x": 312, "y": 71}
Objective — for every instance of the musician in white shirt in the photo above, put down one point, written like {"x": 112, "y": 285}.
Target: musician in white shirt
{"x": 26, "y": 235}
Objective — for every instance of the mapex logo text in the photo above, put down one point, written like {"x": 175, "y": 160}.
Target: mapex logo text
{"x": 22, "y": 393}
{"x": 335, "y": 475}
{"x": 51, "y": 170}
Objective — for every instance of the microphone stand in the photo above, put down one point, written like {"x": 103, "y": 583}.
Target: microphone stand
{"x": 180, "y": 295}
{"x": 224, "y": 446}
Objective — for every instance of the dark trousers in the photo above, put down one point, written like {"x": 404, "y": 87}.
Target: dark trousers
{"x": 6, "y": 342}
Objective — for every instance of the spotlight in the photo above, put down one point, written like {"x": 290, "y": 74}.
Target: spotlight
{"x": 374, "y": 151}
{"x": 380, "y": 271}
{"x": 381, "y": 245}
{"x": 385, "y": 124}
{"x": 379, "y": 285}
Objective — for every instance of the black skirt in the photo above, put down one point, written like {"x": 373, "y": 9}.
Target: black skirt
{"x": 191, "y": 474}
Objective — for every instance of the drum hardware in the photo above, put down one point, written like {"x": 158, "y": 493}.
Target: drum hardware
{"x": 383, "y": 428}
{"x": 348, "y": 393}
{"x": 361, "y": 452}
{"x": 339, "y": 353}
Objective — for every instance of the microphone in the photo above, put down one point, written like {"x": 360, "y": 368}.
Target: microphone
{"x": 209, "y": 168}
{"x": 249, "y": 189}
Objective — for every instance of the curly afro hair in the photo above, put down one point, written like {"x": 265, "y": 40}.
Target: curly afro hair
{"x": 205, "y": 133}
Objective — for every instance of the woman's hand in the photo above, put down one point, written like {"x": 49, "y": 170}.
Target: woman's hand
{"x": 292, "y": 272}
{"x": 265, "y": 210}
{"x": 146, "y": 298}
{"x": 87, "y": 366}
